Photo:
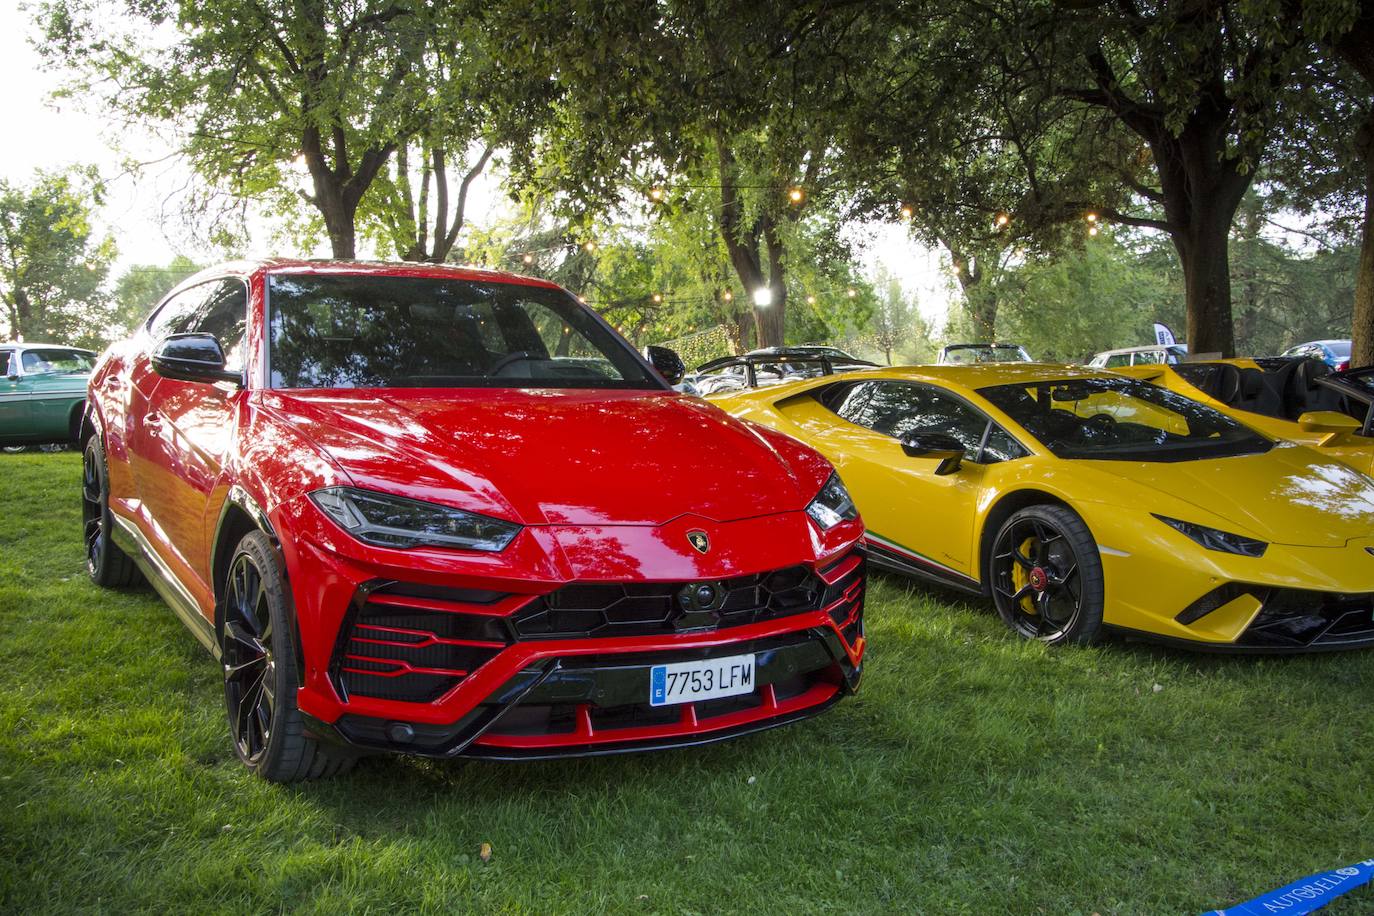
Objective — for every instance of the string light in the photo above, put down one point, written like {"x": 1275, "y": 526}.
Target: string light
{"x": 1003, "y": 219}
{"x": 528, "y": 259}
{"x": 810, "y": 300}
{"x": 1092, "y": 230}
{"x": 656, "y": 194}
{"x": 796, "y": 195}
{"x": 906, "y": 211}
{"x": 1090, "y": 216}
{"x": 763, "y": 296}
{"x": 658, "y": 297}
{"x": 728, "y": 296}
{"x": 590, "y": 246}
{"x": 851, "y": 292}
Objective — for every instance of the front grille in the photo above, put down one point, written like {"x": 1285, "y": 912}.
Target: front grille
{"x": 411, "y": 642}
{"x": 655, "y": 608}
{"x": 1291, "y": 618}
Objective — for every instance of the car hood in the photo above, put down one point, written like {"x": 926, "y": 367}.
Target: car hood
{"x": 557, "y": 456}
{"x": 1288, "y": 495}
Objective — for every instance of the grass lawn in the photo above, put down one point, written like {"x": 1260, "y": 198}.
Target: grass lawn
{"x": 973, "y": 774}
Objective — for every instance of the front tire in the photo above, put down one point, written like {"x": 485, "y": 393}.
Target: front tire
{"x": 1047, "y": 576}
{"x": 259, "y": 656}
{"x": 106, "y": 564}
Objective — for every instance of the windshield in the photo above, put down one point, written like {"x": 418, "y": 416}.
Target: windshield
{"x": 364, "y": 331}
{"x": 990, "y": 353}
{"x": 1122, "y": 419}
{"x": 63, "y": 361}
{"x": 1340, "y": 349}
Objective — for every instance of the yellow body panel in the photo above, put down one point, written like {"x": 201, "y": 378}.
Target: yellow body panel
{"x": 1356, "y": 451}
{"x": 1316, "y": 514}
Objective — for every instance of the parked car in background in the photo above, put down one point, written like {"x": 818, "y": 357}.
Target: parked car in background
{"x": 771, "y": 366}
{"x": 448, "y": 512}
{"x": 1155, "y": 354}
{"x": 963, "y": 353}
{"x": 1079, "y": 499}
{"x": 1335, "y": 353}
{"x": 42, "y": 393}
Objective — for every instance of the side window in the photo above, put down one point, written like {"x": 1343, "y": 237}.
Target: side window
{"x": 34, "y": 363}
{"x": 847, "y": 399}
{"x": 223, "y": 313}
{"x": 7, "y": 366}
{"x": 175, "y": 313}
{"x": 1117, "y": 360}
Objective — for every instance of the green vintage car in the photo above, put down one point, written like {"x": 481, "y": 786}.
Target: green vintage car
{"x": 42, "y": 393}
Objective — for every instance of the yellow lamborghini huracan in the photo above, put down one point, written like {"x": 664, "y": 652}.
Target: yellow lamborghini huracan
{"x": 1078, "y": 498}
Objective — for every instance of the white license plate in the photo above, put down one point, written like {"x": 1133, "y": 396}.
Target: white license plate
{"x": 690, "y": 682}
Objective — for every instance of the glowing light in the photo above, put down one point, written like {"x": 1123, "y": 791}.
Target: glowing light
{"x": 906, "y": 212}
{"x": 658, "y": 297}
{"x": 582, "y": 300}
{"x": 528, "y": 259}
{"x": 728, "y": 296}
{"x": 1003, "y": 219}
{"x": 590, "y": 246}
{"x": 763, "y": 296}
{"x": 656, "y": 193}
{"x": 796, "y": 195}
{"x": 1092, "y": 230}
{"x": 1090, "y": 216}
{"x": 810, "y": 300}
{"x": 851, "y": 292}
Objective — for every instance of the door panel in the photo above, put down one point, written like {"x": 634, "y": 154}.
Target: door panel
{"x": 14, "y": 400}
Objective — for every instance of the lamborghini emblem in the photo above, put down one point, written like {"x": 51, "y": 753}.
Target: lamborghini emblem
{"x": 699, "y": 541}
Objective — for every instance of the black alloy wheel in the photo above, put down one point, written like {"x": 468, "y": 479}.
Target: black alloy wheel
{"x": 106, "y": 564}
{"x": 257, "y": 649}
{"x": 1047, "y": 576}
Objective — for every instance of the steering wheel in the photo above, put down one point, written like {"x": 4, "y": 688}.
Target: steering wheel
{"x": 509, "y": 359}
{"x": 1099, "y": 423}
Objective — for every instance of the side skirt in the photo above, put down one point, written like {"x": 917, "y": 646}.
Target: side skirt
{"x": 132, "y": 541}
{"x": 885, "y": 557}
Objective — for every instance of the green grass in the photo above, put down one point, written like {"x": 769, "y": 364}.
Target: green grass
{"x": 973, "y": 774}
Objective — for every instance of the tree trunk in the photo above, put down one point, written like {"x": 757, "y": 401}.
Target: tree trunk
{"x": 1362, "y": 316}
{"x": 1204, "y": 252}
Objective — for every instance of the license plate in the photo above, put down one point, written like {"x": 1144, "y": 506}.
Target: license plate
{"x": 690, "y": 682}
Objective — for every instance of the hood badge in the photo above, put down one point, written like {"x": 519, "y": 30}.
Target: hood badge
{"x": 699, "y": 541}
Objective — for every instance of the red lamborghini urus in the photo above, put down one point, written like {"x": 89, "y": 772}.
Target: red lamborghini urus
{"x": 451, "y": 512}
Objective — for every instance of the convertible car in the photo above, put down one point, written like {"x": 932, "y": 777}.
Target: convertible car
{"x": 1301, "y": 400}
{"x": 1080, "y": 499}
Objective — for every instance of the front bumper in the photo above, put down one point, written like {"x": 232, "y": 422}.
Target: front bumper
{"x": 519, "y": 668}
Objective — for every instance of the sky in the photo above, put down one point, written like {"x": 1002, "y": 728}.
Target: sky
{"x": 48, "y": 135}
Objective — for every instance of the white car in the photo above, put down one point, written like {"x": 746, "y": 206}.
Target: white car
{"x": 1140, "y": 356}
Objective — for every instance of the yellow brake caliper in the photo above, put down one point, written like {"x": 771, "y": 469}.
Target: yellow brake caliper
{"x": 1020, "y": 577}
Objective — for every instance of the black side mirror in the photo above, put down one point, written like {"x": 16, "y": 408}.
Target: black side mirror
{"x": 667, "y": 362}
{"x": 193, "y": 358}
{"x": 946, "y": 448}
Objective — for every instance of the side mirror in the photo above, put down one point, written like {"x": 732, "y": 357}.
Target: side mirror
{"x": 193, "y": 358}
{"x": 667, "y": 362}
{"x": 1329, "y": 422}
{"x": 942, "y": 446}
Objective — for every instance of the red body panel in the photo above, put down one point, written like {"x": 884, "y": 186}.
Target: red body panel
{"x": 606, "y": 484}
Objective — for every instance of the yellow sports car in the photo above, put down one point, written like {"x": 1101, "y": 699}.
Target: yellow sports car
{"x": 1078, "y": 498}
{"x": 1301, "y": 400}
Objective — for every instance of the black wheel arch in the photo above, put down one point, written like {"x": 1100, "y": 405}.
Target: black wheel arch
{"x": 90, "y": 423}
{"x": 239, "y": 515}
{"x": 1006, "y": 504}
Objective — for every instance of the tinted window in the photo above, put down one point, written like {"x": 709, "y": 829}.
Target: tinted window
{"x": 384, "y": 332}
{"x": 5, "y": 362}
{"x": 1122, "y": 419}
{"x": 174, "y": 314}
{"x": 898, "y": 408}
{"x": 57, "y": 360}
{"x": 222, "y": 312}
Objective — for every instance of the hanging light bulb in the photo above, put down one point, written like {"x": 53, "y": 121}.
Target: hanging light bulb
{"x": 728, "y": 296}
{"x": 763, "y": 296}
{"x": 656, "y": 194}
{"x": 796, "y": 195}
{"x": 1003, "y": 219}
{"x": 658, "y": 297}
{"x": 810, "y": 300}
{"x": 906, "y": 211}
{"x": 528, "y": 259}
{"x": 1090, "y": 216}
{"x": 590, "y": 246}
{"x": 1092, "y": 230}
{"x": 851, "y": 292}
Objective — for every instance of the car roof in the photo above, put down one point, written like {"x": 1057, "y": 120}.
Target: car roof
{"x": 24, "y": 345}
{"x": 325, "y": 266}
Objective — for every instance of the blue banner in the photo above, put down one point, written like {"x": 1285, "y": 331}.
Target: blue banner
{"x": 1306, "y": 894}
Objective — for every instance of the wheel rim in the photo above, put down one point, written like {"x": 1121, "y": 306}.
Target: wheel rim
{"x": 249, "y": 668}
{"x": 93, "y": 509}
{"x": 1036, "y": 580}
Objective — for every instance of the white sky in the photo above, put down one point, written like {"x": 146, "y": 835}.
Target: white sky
{"x": 44, "y": 135}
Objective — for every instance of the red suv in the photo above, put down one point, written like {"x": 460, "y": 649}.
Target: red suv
{"x": 451, "y": 512}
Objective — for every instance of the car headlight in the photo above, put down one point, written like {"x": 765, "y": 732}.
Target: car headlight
{"x": 1215, "y": 539}
{"x": 832, "y": 505}
{"x": 394, "y": 521}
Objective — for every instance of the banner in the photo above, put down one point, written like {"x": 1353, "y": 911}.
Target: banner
{"x": 1306, "y": 894}
{"x": 1163, "y": 336}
